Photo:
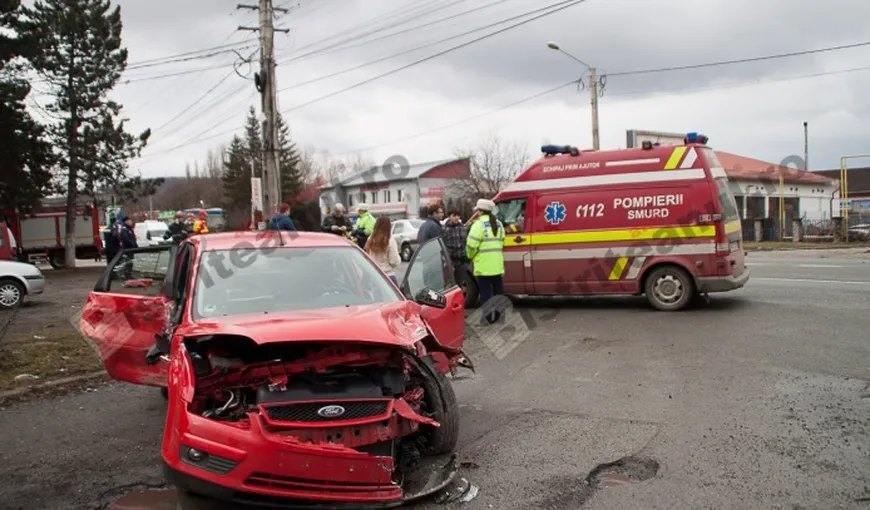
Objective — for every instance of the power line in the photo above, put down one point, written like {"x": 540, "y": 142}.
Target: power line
{"x": 412, "y": 50}
{"x": 222, "y": 47}
{"x": 204, "y": 95}
{"x": 326, "y": 51}
{"x": 561, "y": 6}
{"x": 741, "y": 60}
{"x": 635, "y": 92}
{"x": 172, "y": 75}
{"x": 413, "y": 13}
{"x": 465, "y": 120}
{"x": 559, "y": 87}
{"x": 760, "y": 81}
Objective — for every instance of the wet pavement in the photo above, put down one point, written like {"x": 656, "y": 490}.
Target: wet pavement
{"x": 760, "y": 399}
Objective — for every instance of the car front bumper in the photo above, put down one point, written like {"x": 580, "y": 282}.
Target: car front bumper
{"x": 256, "y": 466}
{"x": 723, "y": 283}
{"x": 35, "y": 285}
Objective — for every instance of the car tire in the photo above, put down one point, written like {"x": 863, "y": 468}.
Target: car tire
{"x": 164, "y": 392}
{"x": 11, "y": 294}
{"x": 441, "y": 400}
{"x": 406, "y": 252}
{"x": 669, "y": 288}
{"x": 57, "y": 259}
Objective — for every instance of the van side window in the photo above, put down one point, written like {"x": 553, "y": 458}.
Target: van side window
{"x": 512, "y": 214}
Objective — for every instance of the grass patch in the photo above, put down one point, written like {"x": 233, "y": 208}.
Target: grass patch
{"x": 60, "y": 354}
{"x": 786, "y": 245}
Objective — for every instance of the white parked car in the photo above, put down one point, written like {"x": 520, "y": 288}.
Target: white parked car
{"x": 17, "y": 280}
{"x": 150, "y": 233}
{"x": 405, "y": 235}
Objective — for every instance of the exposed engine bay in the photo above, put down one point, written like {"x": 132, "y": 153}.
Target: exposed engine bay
{"x": 380, "y": 400}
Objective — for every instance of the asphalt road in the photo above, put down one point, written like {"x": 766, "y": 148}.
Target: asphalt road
{"x": 759, "y": 399}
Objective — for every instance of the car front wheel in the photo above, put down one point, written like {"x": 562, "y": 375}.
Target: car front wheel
{"x": 11, "y": 294}
{"x": 441, "y": 402}
{"x": 406, "y": 252}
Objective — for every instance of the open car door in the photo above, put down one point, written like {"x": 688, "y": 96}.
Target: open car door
{"x": 126, "y": 312}
{"x": 430, "y": 269}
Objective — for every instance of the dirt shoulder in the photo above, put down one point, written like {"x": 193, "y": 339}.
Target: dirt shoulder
{"x": 40, "y": 343}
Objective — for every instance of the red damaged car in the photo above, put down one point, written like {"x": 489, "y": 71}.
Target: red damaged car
{"x": 295, "y": 370}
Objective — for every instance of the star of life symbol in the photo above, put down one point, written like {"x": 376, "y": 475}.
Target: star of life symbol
{"x": 555, "y": 213}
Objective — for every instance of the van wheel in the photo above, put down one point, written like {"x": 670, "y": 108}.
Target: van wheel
{"x": 669, "y": 288}
{"x": 406, "y": 252}
{"x": 470, "y": 292}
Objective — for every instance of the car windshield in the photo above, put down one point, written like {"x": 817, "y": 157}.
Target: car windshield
{"x": 270, "y": 280}
{"x": 415, "y": 223}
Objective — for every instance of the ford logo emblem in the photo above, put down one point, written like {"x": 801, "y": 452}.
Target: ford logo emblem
{"x": 330, "y": 411}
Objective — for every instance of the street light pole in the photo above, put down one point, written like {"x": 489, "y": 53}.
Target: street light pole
{"x": 593, "y": 90}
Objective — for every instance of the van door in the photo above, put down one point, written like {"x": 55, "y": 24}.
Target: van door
{"x": 512, "y": 212}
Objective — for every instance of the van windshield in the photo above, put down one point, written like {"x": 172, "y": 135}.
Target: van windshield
{"x": 726, "y": 198}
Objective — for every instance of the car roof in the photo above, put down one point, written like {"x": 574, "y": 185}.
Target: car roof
{"x": 268, "y": 239}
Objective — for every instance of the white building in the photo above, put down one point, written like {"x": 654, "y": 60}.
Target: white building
{"x": 397, "y": 192}
{"x": 755, "y": 184}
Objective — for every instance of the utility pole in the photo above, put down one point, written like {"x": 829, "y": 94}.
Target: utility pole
{"x": 593, "y": 89}
{"x": 267, "y": 86}
{"x": 594, "y": 80}
{"x": 806, "y": 148}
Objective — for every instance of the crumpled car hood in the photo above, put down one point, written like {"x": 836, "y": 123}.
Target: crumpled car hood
{"x": 384, "y": 323}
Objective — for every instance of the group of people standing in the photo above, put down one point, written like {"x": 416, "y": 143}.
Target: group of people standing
{"x": 480, "y": 245}
{"x": 122, "y": 235}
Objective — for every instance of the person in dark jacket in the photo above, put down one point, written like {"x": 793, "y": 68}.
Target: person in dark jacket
{"x": 282, "y": 220}
{"x": 337, "y": 223}
{"x": 431, "y": 228}
{"x": 127, "y": 235}
{"x": 454, "y": 235}
{"x": 178, "y": 229}
{"x": 110, "y": 239}
{"x": 126, "y": 240}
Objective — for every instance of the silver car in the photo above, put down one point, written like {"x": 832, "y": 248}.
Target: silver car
{"x": 405, "y": 235}
{"x": 17, "y": 280}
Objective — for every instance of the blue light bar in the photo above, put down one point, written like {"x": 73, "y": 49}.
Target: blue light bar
{"x": 696, "y": 138}
{"x": 551, "y": 150}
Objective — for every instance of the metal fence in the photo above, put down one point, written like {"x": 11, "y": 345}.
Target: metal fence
{"x": 812, "y": 230}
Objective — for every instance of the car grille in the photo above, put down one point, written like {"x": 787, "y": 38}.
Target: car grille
{"x": 307, "y": 412}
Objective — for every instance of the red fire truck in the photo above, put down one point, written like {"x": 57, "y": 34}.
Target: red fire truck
{"x": 41, "y": 234}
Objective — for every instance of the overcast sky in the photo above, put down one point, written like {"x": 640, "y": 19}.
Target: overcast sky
{"x": 753, "y": 109}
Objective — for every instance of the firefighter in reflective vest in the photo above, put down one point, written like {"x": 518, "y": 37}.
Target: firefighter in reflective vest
{"x": 484, "y": 249}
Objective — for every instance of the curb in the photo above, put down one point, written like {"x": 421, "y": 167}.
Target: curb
{"x": 51, "y": 384}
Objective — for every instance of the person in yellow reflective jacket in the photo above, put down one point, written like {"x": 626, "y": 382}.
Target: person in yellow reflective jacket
{"x": 483, "y": 247}
{"x": 364, "y": 226}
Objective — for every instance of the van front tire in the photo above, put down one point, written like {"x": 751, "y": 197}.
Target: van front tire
{"x": 669, "y": 288}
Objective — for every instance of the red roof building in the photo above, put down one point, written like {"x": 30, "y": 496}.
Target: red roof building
{"x": 756, "y": 187}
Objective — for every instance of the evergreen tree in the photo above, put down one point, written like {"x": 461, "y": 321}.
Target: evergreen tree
{"x": 236, "y": 179}
{"x": 75, "y": 45}
{"x": 24, "y": 152}
{"x": 254, "y": 142}
{"x": 288, "y": 163}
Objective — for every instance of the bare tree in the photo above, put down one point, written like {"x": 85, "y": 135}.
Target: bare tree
{"x": 494, "y": 163}
{"x": 309, "y": 167}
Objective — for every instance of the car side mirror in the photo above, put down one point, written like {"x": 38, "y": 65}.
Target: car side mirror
{"x": 430, "y": 297}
